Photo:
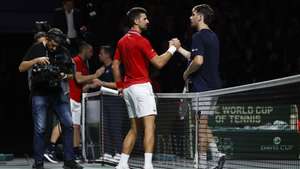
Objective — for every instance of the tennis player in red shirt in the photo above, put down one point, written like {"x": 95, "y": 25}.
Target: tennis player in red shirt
{"x": 136, "y": 53}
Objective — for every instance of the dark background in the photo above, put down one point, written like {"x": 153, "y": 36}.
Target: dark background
{"x": 259, "y": 41}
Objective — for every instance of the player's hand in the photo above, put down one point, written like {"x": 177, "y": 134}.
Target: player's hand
{"x": 176, "y": 43}
{"x": 86, "y": 88}
{"x": 42, "y": 61}
{"x": 63, "y": 75}
{"x": 83, "y": 28}
{"x": 120, "y": 92}
{"x": 100, "y": 71}
{"x": 70, "y": 76}
{"x": 171, "y": 43}
{"x": 185, "y": 76}
{"x": 97, "y": 82}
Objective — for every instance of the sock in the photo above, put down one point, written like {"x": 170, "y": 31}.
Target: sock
{"x": 214, "y": 149}
{"x": 203, "y": 156}
{"x": 148, "y": 159}
{"x": 203, "y": 160}
{"x": 124, "y": 159}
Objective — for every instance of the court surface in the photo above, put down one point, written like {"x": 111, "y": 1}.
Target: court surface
{"x": 230, "y": 164}
{"x": 26, "y": 164}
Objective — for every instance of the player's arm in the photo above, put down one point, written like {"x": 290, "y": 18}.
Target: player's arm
{"x": 180, "y": 49}
{"x": 86, "y": 88}
{"x": 26, "y": 65}
{"x": 117, "y": 73}
{"x": 116, "y": 69}
{"x": 184, "y": 52}
{"x": 81, "y": 79}
{"x": 160, "y": 61}
{"x": 194, "y": 66}
{"x": 197, "y": 54}
{"x": 111, "y": 85}
{"x": 93, "y": 84}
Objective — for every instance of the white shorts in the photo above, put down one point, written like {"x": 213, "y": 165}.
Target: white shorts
{"x": 205, "y": 105}
{"x": 140, "y": 100}
{"x": 76, "y": 111}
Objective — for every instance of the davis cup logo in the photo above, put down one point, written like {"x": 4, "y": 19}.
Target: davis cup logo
{"x": 277, "y": 140}
{"x": 277, "y": 146}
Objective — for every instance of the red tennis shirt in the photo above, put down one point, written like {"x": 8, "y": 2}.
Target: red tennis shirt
{"x": 75, "y": 88}
{"x": 135, "y": 52}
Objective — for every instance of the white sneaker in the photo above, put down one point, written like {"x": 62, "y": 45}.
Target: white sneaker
{"x": 109, "y": 158}
{"x": 117, "y": 157}
{"x": 105, "y": 156}
{"x": 122, "y": 167}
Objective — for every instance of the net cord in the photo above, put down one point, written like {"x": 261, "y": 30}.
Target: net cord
{"x": 231, "y": 90}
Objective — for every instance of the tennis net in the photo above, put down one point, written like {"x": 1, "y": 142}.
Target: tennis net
{"x": 255, "y": 126}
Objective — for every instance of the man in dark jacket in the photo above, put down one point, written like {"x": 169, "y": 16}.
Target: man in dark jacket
{"x": 69, "y": 20}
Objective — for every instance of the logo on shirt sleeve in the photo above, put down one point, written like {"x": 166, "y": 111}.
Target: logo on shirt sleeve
{"x": 194, "y": 50}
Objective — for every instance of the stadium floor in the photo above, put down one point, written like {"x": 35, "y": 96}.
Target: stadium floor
{"x": 26, "y": 164}
{"x": 230, "y": 164}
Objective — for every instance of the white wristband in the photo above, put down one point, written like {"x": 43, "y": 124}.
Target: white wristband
{"x": 172, "y": 49}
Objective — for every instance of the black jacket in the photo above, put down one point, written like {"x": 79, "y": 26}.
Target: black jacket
{"x": 60, "y": 20}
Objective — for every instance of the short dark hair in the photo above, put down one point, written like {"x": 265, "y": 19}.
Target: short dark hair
{"x": 57, "y": 35}
{"x": 107, "y": 49}
{"x": 134, "y": 13}
{"x": 83, "y": 46}
{"x": 206, "y": 11}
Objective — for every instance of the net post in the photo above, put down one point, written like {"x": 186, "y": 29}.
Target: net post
{"x": 84, "y": 95}
{"x": 191, "y": 126}
{"x": 196, "y": 134}
{"x": 101, "y": 125}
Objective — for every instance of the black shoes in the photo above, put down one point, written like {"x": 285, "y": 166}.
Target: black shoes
{"x": 67, "y": 165}
{"x": 72, "y": 165}
{"x": 78, "y": 155}
{"x": 50, "y": 155}
{"x": 221, "y": 161}
{"x": 79, "y": 158}
{"x": 38, "y": 165}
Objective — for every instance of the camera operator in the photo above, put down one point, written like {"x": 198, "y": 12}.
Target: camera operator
{"x": 82, "y": 78}
{"x": 49, "y": 63}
